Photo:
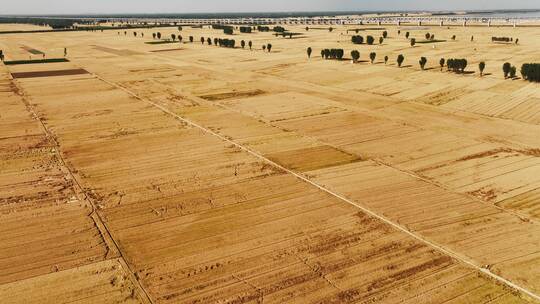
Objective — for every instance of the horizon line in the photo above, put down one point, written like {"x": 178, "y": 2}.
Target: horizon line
{"x": 277, "y": 12}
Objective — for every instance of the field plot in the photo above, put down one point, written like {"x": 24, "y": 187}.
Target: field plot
{"x": 103, "y": 282}
{"x": 190, "y": 173}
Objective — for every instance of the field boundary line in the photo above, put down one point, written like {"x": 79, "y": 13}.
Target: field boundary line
{"x": 368, "y": 211}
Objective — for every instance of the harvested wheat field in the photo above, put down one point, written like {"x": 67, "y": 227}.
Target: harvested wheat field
{"x": 191, "y": 173}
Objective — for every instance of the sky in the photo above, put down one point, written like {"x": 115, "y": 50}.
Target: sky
{"x": 217, "y": 6}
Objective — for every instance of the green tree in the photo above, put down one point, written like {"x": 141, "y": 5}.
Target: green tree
{"x": 513, "y": 72}
{"x": 441, "y": 63}
{"x": 191, "y": 39}
{"x": 269, "y": 48}
{"x": 250, "y": 44}
{"x": 381, "y": 40}
{"x": 355, "y": 56}
{"x": 357, "y": 39}
{"x": 370, "y": 40}
{"x": 407, "y": 34}
{"x": 481, "y": 67}
{"x": 180, "y": 38}
{"x": 530, "y": 72}
{"x": 423, "y": 61}
{"x": 309, "y": 51}
{"x": 413, "y": 42}
{"x": 400, "y": 59}
{"x": 202, "y": 40}
{"x": 154, "y": 35}
{"x": 385, "y": 34}
{"x": 158, "y": 35}
{"x": 372, "y": 56}
{"x": 243, "y": 44}
{"x": 385, "y": 59}
{"x": 209, "y": 41}
{"x": 428, "y": 35}
{"x": 173, "y": 36}
{"x": 506, "y": 69}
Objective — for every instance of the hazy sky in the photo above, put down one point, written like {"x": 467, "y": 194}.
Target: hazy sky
{"x": 203, "y": 6}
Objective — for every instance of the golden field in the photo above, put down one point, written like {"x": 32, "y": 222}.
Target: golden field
{"x": 189, "y": 173}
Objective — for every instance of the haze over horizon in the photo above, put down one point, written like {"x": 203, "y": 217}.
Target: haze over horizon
{"x": 36, "y": 7}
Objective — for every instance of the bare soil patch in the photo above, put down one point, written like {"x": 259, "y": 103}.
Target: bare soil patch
{"x": 37, "y": 74}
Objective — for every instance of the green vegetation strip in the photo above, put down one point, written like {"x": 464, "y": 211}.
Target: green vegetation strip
{"x": 161, "y": 42}
{"x": 51, "y": 60}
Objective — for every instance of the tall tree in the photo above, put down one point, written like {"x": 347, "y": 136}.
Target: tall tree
{"x": 441, "y": 63}
{"x": 191, "y": 39}
{"x": 513, "y": 72}
{"x": 385, "y": 34}
{"x": 423, "y": 62}
{"x": 506, "y": 69}
{"x": 370, "y": 40}
{"x": 381, "y": 39}
{"x": 481, "y": 67}
{"x": 243, "y": 44}
{"x": 372, "y": 56}
{"x": 173, "y": 36}
{"x": 154, "y": 35}
{"x": 385, "y": 59}
{"x": 269, "y": 48}
{"x": 400, "y": 59}
{"x": 158, "y": 35}
{"x": 202, "y": 40}
{"x": 309, "y": 51}
{"x": 355, "y": 56}
{"x": 209, "y": 41}
{"x": 413, "y": 42}
{"x": 407, "y": 34}
{"x": 250, "y": 44}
